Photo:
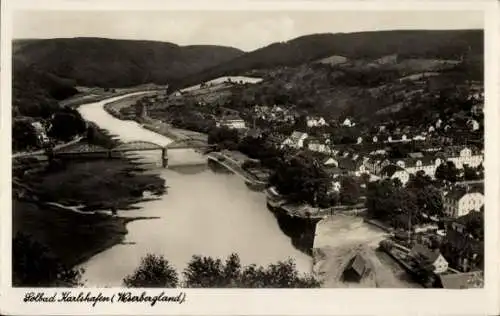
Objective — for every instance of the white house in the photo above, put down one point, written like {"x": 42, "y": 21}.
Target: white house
{"x": 317, "y": 146}
{"x": 296, "y": 140}
{"x": 231, "y": 122}
{"x": 336, "y": 185}
{"x": 467, "y": 157}
{"x": 473, "y": 125}
{"x": 315, "y": 121}
{"x": 348, "y": 123}
{"x": 375, "y": 139}
{"x": 331, "y": 162}
{"x": 395, "y": 172}
{"x": 433, "y": 256}
{"x": 360, "y": 140}
{"x": 461, "y": 201}
{"x": 438, "y": 123}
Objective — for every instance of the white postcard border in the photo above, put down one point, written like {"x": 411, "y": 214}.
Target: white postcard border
{"x": 275, "y": 302}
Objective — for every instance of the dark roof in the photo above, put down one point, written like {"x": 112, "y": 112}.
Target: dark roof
{"x": 427, "y": 253}
{"x": 389, "y": 170}
{"x": 358, "y": 264}
{"x": 231, "y": 117}
{"x": 347, "y": 163}
{"x": 462, "y": 280}
{"x": 466, "y": 218}
{"x": 459, "y": 191}
{"x": 332, "y": 170}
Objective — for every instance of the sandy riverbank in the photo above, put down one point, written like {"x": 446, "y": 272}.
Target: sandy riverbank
{"x": 338, "y": 238}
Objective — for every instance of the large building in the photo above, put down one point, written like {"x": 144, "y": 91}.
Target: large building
{"x": 461, "y": 200}
{"x": 231, "y": 122}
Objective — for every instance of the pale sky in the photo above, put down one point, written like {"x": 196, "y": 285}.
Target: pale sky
{"x": 244, "y": 30}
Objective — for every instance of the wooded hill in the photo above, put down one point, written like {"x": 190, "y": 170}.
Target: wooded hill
{"x": 442, "y": 44}
{"x": 118, "y": 63}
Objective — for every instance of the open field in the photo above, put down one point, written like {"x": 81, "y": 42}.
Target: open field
{"x": 221, "y": 80}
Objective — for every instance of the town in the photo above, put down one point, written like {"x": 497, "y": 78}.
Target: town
{"x": 422, "y": 183}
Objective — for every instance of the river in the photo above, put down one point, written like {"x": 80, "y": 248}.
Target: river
{"x": 202, "y": 213}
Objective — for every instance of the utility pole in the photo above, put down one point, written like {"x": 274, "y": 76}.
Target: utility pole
{"x": 409, "y": 229}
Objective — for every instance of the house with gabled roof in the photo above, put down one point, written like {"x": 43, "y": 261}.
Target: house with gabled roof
{"x": 393, "y": 171}
{"x": 356, "y": 269}
{"x": 330, "y": 161}
{"x": 434, "y": 257}
{"x": 353, "y": 166}
{"x": 461, "y": 200}
{"x": 296, "y": 140}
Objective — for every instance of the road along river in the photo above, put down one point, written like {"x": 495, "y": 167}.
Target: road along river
{"x": 203, "y": 213}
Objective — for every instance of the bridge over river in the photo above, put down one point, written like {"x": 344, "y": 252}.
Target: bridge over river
{"x": 83, "y": 149}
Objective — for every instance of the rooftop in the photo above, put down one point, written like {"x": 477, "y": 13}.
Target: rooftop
{"x": 427, "y": 253}
{"x": 462, "y": 280}
{"x": 390, "y": 170}
{"x": 459, "y": 191}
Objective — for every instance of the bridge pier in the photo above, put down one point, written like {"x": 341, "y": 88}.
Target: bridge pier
{"x": 164, "y": 157}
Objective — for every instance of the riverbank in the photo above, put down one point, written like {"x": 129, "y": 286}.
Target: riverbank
{"x": 154, "y": 125}
{"x": 46, "y": 196}
{"x": 71, "y": 237}
{"x": 91, "y": 95}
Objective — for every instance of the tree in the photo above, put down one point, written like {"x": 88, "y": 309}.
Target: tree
{"x": 154, "y": 271}
{"x": 475, "y": 225}
{"x": 301, "y": 180}
{"x": 380, "y": 199}
{"x": 471, "y": 174}
{"x": 430, "y": 201}
{"x": 66, "y": 124}
{"x": 349, "y": 191}
{"x": 424, "y": 271}
{"x": 33, "y": 266}
{"x": 23, "y": 135}
{"x": 204, "y": 272}
{"x": 223, "y": 135}
{"x": 447, "y": 172}
{"x": 208, "y": 272}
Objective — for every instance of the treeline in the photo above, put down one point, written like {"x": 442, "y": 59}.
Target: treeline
{"x": 207, "y": 272}
{"x": 389, "y": 201}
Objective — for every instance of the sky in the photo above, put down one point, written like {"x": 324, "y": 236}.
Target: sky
{"x": 244, "y": 30}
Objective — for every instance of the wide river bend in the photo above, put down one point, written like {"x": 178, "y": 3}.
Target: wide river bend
{"x": 203, "y": 213}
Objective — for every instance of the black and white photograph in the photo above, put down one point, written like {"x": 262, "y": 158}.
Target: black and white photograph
{"x": 262, "y": 149}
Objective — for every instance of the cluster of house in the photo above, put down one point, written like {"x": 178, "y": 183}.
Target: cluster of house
{"x": 375, "y": 162}
{"x": 372, "y": 158}
{"x": 275, "y": 114}
{"x": 41, "y": 132}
